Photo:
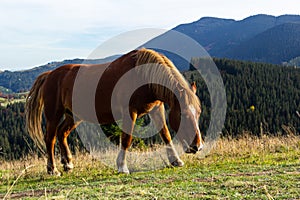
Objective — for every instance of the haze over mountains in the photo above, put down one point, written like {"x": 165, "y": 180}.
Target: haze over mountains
{"x": 259, "y": 38}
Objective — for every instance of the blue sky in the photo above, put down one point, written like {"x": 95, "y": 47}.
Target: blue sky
{"x": 35, "y": 32}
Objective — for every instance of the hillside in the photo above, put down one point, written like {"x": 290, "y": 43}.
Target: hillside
{"x": 275, "y": 45}
{"x": 224, "y": 37}
{"x": 273, "y": 91}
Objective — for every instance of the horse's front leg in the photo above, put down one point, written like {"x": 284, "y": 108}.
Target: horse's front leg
{"x": 126, "y": 138}
{"x": 158, "y": 117}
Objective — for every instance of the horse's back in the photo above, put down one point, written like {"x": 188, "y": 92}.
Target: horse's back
{"x": 86, "y": 89}
{"x": 71, "y": 86}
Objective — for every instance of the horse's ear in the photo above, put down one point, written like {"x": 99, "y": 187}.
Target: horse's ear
{"x": 194, "y": 87}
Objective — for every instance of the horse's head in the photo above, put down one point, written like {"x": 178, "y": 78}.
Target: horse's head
{"x": 184, "y": 119}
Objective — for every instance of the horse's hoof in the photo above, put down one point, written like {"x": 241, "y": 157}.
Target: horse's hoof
{"x": 123, "y": 170}
{"x": 54, "y": 173}
{"x": 68, "y": 167}
{"x": 177, "y": 163}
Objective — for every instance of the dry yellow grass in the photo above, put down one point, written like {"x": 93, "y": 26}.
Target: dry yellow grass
{"x": 256, "y": 145}
{"x": 246, "y": 145}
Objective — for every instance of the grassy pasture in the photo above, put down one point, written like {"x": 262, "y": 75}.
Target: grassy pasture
{"x": 245, "y": 168}
{"x": 4, "y": 101}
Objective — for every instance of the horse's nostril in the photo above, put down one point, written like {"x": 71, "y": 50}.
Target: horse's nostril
{"x": 191, "y": 150}
{"x": 194, "y": 149}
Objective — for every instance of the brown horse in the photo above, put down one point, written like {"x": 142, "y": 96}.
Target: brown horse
{"x": 70, "y": 93}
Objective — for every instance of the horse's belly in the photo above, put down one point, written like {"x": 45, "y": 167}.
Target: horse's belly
{"x": 95, "y": 114}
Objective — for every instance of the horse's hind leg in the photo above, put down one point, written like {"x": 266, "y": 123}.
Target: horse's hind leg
{"x": 158, "y": 117}
{"x": 63, "y": 131}
{"x": 53, "y": 114}
{"x": 50, "y": 139}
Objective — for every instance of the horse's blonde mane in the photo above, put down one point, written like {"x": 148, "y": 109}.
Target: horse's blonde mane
{"x": 161, "y": 70}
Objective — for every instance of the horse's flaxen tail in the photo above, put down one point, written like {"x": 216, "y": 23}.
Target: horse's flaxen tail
{"x": 34, "y": 109}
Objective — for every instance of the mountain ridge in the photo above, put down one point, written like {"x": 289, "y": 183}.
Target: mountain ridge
{"x": 223, "y": 34}
{"x": 19, "y": 81}
{"x": 257, "y": 38}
